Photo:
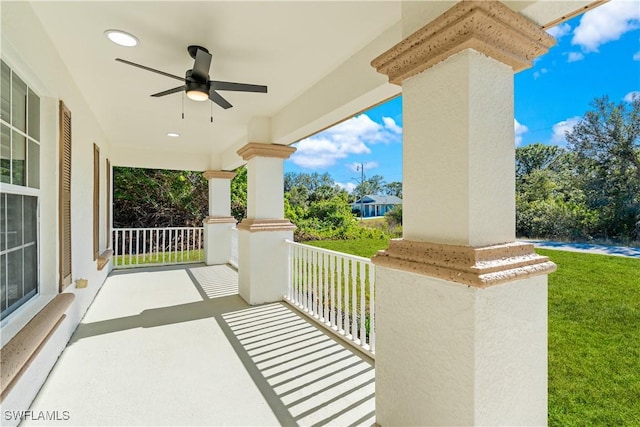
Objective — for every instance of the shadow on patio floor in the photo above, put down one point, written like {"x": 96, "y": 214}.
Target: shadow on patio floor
{"x": 304, "y": 375}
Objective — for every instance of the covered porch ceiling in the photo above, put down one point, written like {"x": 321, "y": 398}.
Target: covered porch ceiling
{"x": 314, "y": 56}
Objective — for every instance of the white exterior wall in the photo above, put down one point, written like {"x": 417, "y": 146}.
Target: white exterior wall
{"x": 262, "y": 266}
{"x": 265, "y": 181}
{"x": 459, "y": 118}
{"x": 27, "y": 49}
{"x": 450, "y": 340}
{"x": 219, "y": 197}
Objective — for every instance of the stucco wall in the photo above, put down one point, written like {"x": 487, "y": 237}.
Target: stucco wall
{"x": 451, "y": 354}
{"x": 29, "y": 52}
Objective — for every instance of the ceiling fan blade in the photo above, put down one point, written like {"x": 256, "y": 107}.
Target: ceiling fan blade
{"x": 238, "y": 87}
{"x": 149, "y": 69}
{"x": 170, "y": 91}
{"x": 218, "y": 99}
{"x": 201, "y": 66}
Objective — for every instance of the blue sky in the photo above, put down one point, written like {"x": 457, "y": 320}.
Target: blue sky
{"x": 596, "y": 54}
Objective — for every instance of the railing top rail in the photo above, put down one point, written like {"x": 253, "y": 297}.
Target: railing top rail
{"x": 330, "y": 252}
{"x": 159, "y": 228}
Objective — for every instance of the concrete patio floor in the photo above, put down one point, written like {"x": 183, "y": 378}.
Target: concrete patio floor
{"x": 178, "y": 346}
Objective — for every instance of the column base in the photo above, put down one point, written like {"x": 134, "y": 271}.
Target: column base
{"x": 217, "y": 239}
{"x": 263, "y": 268}
{"x": 449, "y": 354}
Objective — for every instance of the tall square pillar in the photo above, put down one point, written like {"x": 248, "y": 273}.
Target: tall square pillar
{"x": 262, "y": 253}
{"x": 461, "y": 308}
{"x": 219, "y": 222}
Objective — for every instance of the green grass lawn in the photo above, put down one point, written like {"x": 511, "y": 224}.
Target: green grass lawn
{"x": 594, "y": 340}
{"x": 159, "y": 258}
{"x": 594, "y": 335}
{"x": 361, "y": 247}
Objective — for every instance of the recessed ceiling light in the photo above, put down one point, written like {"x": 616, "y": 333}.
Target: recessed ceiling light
{"x": 173, "y": 134}
{"x": 122, "y": 38}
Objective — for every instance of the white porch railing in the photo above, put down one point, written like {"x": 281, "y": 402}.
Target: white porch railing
{"x": 137, "y": 247}
{"x": 335, "y": 289}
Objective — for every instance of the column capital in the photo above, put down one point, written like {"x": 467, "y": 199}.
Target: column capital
{"x": 218, "y": 174}
{"x": 488, "y": 27}
{"x": 256, "y": 149}
{"x": 478, "y": 267}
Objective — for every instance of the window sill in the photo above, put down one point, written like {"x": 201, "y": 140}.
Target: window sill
{"x": 23, "y": 348}
{"x": 103, "y": 258}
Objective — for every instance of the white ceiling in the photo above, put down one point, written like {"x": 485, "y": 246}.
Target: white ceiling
{"x": 314, "y": 56}
{"x": 288, "y": 46}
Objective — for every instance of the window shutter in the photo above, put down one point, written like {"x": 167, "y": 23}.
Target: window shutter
{"x": 96, "y": 202}
{"x": 65, "y": 196}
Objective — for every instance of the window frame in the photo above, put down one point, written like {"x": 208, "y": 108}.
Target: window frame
{"x": 28, "y": 189}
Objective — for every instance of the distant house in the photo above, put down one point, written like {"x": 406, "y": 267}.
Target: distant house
{"x": 375, "y": 205}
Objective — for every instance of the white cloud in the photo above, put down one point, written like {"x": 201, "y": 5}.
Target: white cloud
{"x": 390, "y": 124}
{"x": 633, "y": 94}
{"x": 355, "y": 166}
{"x": 636, "y": 56}
{"x": 574, "y": 56}
{"x": 519, "y": 130}
{"x": 349, "y": 186}
{"x": 606, "y": 23}
{"x": 542, "y": 71}
{"x": 559, "y": 30}
{"x": 561, "y": 128}
{"x": 349, "y": 137}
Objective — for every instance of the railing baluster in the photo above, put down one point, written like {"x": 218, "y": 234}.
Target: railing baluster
{"x": 362, "y": 288}
{"x": 115, "y": 248}
{"x": 130, "y": 245}
{"x": 332, "y": 288}
{"x": 340, "y": 320}
{"x": 347, "y": 272}
{"x": 304, "y": 278}
{"x": 294, "y": 277}
{"x": 315, "y": 264}
{"x": 372, "y": 317}
{"x": 354, "y": 300}
{"x": 325, "y": 287}
{"x": 332, "y": 313}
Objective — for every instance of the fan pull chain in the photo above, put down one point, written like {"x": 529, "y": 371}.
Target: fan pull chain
{"x": 182, "y": 105}
{"x": 211, "y": 104}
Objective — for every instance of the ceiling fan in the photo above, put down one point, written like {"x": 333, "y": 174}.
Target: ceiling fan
{"x": 196, "y": 81}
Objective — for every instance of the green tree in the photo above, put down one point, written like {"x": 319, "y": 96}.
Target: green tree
{"x": 239, "y": 194}
{"x": 370, "y": 186}
{"x": 393, "y": 189}
{"x": 606, "y": 144}
{"x": 158, "y": 198}
{"x": 537, "y": 157}
{"x": 548, "y": 204}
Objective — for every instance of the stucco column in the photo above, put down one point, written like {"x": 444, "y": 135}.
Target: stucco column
{"x": 217, "y": 226}
{"x": 461, "y": 309}
{"x": 262, "y": 254}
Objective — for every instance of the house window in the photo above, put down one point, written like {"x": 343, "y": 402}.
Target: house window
{"x": 19, "y": 195}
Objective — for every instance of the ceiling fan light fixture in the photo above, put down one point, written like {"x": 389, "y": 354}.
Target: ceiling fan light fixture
{"x": 197, "y": 95}
{"x": 121, "y": 38}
